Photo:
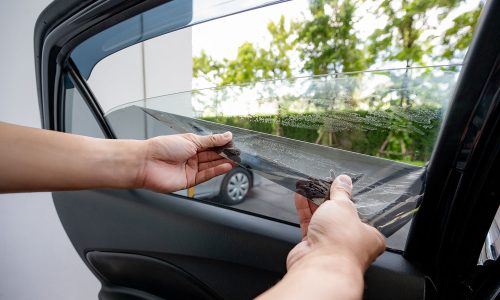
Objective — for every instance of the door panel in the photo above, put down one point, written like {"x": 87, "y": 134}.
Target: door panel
{"x": 234, "y": 253}
{"x": 231, "y": 254}
{"x": 147, "y": 274}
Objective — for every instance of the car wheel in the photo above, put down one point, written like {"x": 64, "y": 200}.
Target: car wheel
{"x": 235, "y": 186}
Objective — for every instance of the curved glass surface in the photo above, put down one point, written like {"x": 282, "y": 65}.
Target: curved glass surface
{"x": 168, "y": 17}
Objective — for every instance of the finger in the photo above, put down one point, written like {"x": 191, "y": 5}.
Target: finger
{"x": 303, "y": 212}
{"x": 312, "y": 206}
{"x": 212, "y": 172}
{"x": 341, "y": 189}
{"x": 214, "y": 163}
{"x": 208, "y": 156}
{"x": 212, "y": 140}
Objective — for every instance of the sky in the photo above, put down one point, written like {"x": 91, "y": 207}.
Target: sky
{"x": 222, "y": 37}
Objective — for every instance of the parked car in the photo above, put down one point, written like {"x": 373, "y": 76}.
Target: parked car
{"x": 231, "y": 188}
{"x": 146, "y": 245}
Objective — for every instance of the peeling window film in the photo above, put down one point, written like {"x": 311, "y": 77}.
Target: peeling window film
{"x": 378, "y": 127}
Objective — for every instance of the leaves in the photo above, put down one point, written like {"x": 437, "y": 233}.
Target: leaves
{"x": 328, "y": 42}
{"x": 458, "y": 37}
{"x": 402, "y": 37}
{"x": 251, "y": 63}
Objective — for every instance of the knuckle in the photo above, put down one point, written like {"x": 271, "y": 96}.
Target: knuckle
{"x": 194, "y": 138}
{"x": 213, "y": 139}
{"x": 189, "y": 136}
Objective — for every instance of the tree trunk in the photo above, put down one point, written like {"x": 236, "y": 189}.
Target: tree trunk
{"x": 404, "y": 88}
{"x": 384, "y": 144}
{"x": 320, "y": 137}
{"x": 403, "y": 146}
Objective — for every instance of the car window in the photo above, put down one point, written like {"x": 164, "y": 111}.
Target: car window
{"x": 491, "y": 247}
{"x": 310, "y": 90}
{"x": 78, "y": 116}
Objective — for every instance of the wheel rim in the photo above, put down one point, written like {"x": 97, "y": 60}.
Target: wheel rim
{"x": 237, "y": 187}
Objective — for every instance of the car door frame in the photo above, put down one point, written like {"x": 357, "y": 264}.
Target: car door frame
{"x": 448, "y": 231}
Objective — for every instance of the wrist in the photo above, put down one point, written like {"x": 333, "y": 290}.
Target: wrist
{"x": 320, "y": 276}
{"x": 329, "y": 262}
{"x": 305, "y": 254}
{"x": 124, "y": 161}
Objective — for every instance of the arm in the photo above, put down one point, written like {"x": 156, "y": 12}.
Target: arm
{"x": 42, "y": 160}
{"x": 335, "y": 251}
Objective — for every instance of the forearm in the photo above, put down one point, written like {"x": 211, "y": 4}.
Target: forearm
{"x": 319, "y": 278}
{"x": 41, "y": 160}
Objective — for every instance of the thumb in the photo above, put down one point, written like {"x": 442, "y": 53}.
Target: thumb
{"x": 341, "y": 188}
{"x": 212, "y": 140}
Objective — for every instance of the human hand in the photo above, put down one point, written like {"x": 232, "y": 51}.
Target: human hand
{"x": 177, "y": 162}
{"x": 335, "y": 230}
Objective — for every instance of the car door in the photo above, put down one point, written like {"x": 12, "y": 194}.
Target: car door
{"x": 145, "y": 245}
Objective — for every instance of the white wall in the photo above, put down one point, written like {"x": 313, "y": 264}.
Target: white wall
{"x": 157, "y": 67}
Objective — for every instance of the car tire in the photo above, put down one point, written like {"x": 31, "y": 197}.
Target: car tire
{"x": 235, "y": 186}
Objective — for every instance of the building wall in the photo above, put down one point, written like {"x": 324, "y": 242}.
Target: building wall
{"x": 152, "y": 69}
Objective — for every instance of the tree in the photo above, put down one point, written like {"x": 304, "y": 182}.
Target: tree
{"x": 207, "y": 68}
{"x": 251, "y": 63}
{"x": 254, "y": 64}
{"x": 458, "y": 37}
{"x": 401, "y": 38}
{"x": 328, "y": 42}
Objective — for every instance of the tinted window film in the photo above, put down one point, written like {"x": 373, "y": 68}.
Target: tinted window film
{"x": 296, "y": 133}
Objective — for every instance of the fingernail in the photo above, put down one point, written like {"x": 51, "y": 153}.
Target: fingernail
{"x": 344, "y": 179}
{"x": 227, "y": 134}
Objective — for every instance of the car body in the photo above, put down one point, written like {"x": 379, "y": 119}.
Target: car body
{"x": 230, "y": 188}
{"x": 144, "y": 245}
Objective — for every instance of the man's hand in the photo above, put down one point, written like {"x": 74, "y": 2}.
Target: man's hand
{"x": 335, "y": 229}
{"x": 335, "y": 251}
{"x": 177, "y": 162}
{"x": 74, "y": 162}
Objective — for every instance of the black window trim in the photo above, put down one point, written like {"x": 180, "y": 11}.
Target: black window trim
{"x": 91, "y": 101}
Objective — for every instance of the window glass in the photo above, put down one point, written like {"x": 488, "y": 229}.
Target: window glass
{"x": 290, "y": 81}
{"x": 491, "y": 247}
{"x": 294, "y": 135}
{"x": 78, "y": 117}
{"x": 173, "y": 15}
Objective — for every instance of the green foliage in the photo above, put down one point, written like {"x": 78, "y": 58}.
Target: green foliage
{"x": 206, "y": 67}
{"x": 403, "y": 144}
{"x": 328, "y": 43}
{"x": 251, "y": 63}
{"x": 458, "y": 37}
{"x": 242, "y": 69}
{"x": 401, "y": 38}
